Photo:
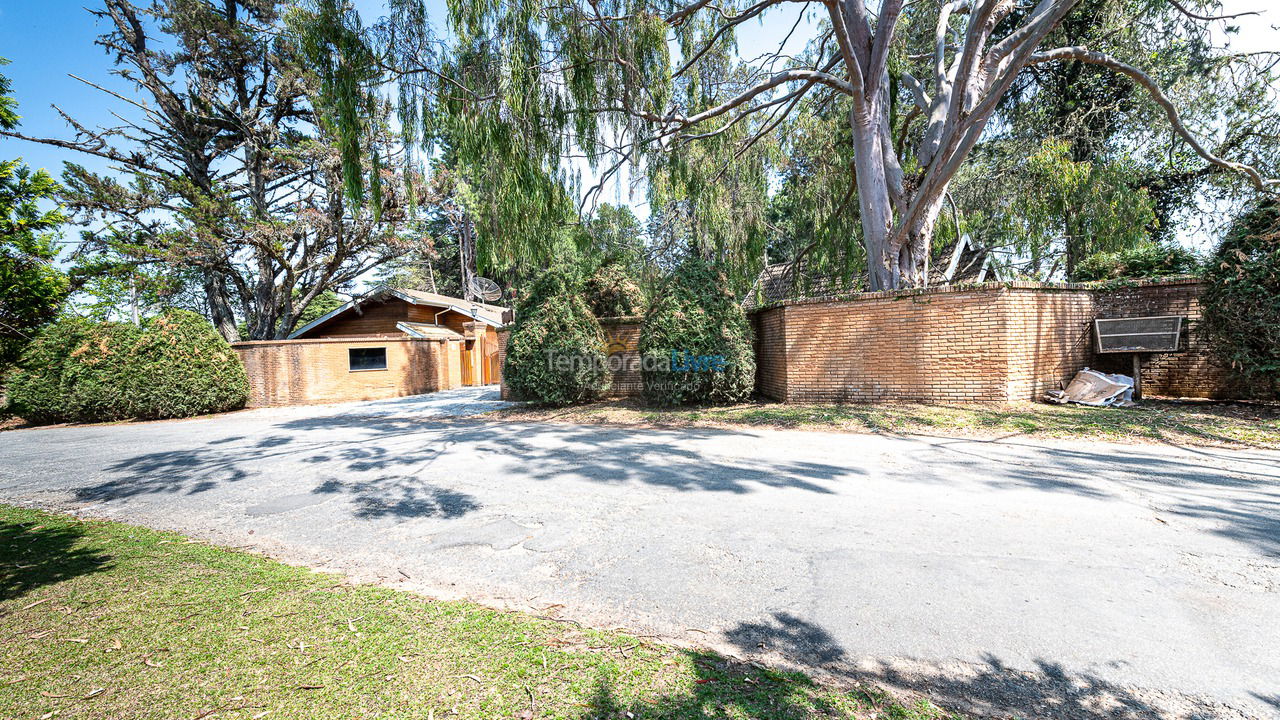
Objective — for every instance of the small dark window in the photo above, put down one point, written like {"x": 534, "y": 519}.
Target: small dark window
{"x": 368, "y": 358}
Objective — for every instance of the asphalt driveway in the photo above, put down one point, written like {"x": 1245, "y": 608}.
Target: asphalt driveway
{"x": 1061, "y": 579}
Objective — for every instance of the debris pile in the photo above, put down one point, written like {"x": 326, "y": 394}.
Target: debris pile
{"x": 1090, "y": 387}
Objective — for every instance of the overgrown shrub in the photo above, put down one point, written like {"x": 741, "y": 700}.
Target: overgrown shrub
{"x": 695, "y": 343}
{"x": 612, "y": 292}
{"x": 35, "y": 386}
{"x": 1148, "y": 260}
{"x": 175, "y": 365}
{"x": 1240, "y": 305}
{"x": 555, "y": 353}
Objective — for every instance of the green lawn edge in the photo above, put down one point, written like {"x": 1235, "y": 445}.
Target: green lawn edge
{"x": 106, "y": 620}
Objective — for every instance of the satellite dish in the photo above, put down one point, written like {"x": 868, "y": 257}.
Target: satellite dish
{"x": 485, "y": 289}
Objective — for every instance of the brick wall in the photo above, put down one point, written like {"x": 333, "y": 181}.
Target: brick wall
{"x": 503, "y": 335}
{"x": 301, "y": 372}
{"x": 993, "y": 342}
{"x": 1190, "y": 372}
{"x": 771, "y": 357}
{"x": 622, "y": 343}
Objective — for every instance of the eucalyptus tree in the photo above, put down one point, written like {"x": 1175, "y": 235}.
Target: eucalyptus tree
{"x": 222, "y": 165}
{"x": 644, "y": 83}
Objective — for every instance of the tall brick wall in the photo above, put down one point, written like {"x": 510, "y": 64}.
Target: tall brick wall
{"x": 302, "y": 372}
{"x": 993, "y": 342}
{"x": 1047, "y": 339}
{"x": 771, "y": 357}
{"x": 1190, "y": 372}
{"x": 504, "y": 334}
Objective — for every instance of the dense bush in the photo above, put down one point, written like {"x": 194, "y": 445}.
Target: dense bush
{"x": 175, "y": 365}
{"x": 555, "y": 353}
{"x": 35, "y": 387}
{"x": 1148, "y": 260}
{"x": 695, "y": 343}
{"x": 1240, "y": 305}
{"x": 612, "y": 292}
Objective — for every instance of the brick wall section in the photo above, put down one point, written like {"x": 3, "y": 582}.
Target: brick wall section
{"x": 1190, "y": 372}
{"x": 997, "y": 342}
{"x": 503, "y": 335}
{"x": 622, "y": 340}
{"x": 1047, "y": 339}
{"x": 877, "y": 347}
{"x": 302, "y": 372}
{"x": 771, "y": 357}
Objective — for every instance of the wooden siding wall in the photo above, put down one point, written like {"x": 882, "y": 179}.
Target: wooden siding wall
{"x": 380, "y": 318}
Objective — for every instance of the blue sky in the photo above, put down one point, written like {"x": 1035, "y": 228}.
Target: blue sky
{"x": 47, "y": 42}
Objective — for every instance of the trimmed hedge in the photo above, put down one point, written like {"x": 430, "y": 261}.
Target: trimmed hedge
{"x": 555, "y": 353}
{"x": 612, "y": 292}
{"x": 1240, "y": 304}
{"x": 175, "y": 365}
{"x": 695, "y": 343}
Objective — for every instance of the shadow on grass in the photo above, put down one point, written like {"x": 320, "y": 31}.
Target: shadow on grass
{"x": 1048, "y": 689}
{"x": 33, "y": 556}
{"x": 724, "y": 688}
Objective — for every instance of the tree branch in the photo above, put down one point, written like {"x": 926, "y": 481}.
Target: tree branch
{"x": 1092, "y": 57}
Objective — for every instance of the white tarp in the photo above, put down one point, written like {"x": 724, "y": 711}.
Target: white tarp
{"x": 1090, "y": 387}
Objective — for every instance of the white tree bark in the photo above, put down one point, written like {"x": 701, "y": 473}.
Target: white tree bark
{"x": 971, "y": 70}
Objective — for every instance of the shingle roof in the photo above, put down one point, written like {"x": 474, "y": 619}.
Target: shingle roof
{"x": 489, "y": 313}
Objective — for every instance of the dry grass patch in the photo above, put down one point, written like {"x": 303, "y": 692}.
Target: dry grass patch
{"x": 1184, "y": 423}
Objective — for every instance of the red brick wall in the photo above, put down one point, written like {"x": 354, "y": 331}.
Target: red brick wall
{"x": 503, "y": 335}
{"x": 771, "y": 357}
{"x": 302, "y": 372}
{"x": 1190, "y": 372}
{"x": 995, "y": 342}
{"x": 1046, "y": 339}
{"x": 622, "y": 343}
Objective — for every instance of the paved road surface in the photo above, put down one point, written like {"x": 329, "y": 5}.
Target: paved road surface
{"x": 1064, "y": 579}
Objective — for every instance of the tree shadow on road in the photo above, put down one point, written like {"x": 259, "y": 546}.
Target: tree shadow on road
{"x": 381, "y": 463}
{"x": 35, "y": 555}
{"x": 1047, "y": 690}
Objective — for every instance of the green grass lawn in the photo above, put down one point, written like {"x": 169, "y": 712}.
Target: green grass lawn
{"x": 1226, "y": 424}
{"x": 103, "y": 620}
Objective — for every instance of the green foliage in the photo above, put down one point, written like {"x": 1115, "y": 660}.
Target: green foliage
{"x": 695, "y": 315}
{"x": 555, "y": 353}
{"x": 175, "y": 365}
{"x": 1148, "y": 260}
{"x": 8, "y": 105}
{"x": 31, "y": 288}
{"x": 326, "y": 302}
{"x": 1240, "y": 306}
{"x": 1057, "y": 211}
{"x": 35, "y": 389}
{"x": 611, "y": 291}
